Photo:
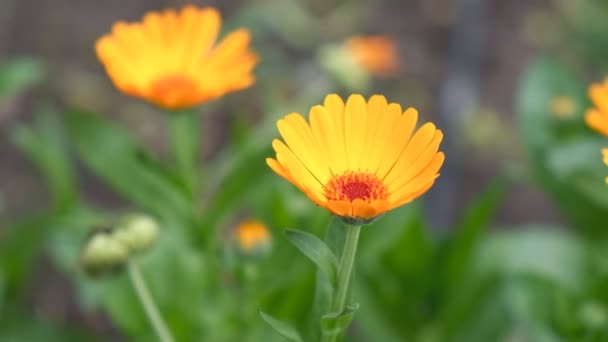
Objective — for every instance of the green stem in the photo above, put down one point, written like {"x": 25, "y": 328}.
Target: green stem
{"x": 347, "y": 262}
{"x": 185, "y": 145}
{"x": 147, "y": 302}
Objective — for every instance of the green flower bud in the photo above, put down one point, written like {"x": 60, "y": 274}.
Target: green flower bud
{"x": 341, "y": 65}
{"x": 137, "y": 232}
{"x": 102, "y": 254}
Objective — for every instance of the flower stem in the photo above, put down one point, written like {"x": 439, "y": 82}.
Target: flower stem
{"x": 147, "y": 302}
{"x": 185, "y": 144}
{"x": 345, "y": 269}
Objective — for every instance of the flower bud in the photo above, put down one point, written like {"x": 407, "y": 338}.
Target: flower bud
{"x": 342, "y": 66}
{"x": 137, "y": 232}
{"x": 102, "y": 254}
{"x": 563, "y": 107}
{"x": 359, "y": 58}
{"x": 253, "y": 238}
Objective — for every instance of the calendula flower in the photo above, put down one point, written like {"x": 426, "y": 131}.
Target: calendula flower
{"x": 172, "y": 60}
{"x": 377, "y": 55}
{"x": 360, "y": 159}
{"x": 562, "y": 107}
{"x": 597, "y": 117}
{"x": 252, "y": 235}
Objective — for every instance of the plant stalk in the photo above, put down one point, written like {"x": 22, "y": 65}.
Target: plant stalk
{"x": 347, "y": 261}
{"x": 185, "y": 145}
{"x": 147, "y": 303}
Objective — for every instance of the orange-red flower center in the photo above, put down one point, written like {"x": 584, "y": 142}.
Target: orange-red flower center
{"x": 174, "y": 90}
{"x": 352, "y": 185}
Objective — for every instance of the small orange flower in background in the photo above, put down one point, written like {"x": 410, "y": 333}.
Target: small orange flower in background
{"x": 360, "y": 159}
{"x": 252, "y": 235}
{"x": 597, "y": 118}
{"x": 377, "y": 55}
{"x": 172, "y": 60}
{"x": 562, "y": 107}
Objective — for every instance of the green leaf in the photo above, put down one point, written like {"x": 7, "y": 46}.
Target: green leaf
{"x": 18, "y": 75}
{"x": 45, "y": 145}
{"x": 316, "y": 250}
{"x": 470, "y": 231}
{"x": 282, "y": 328}
{"x": 2, "y": 289}
{"x": 334, "y": 324}
{"x": 115, "y": 157}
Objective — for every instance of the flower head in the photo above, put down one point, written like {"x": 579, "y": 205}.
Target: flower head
{"x": 360, "y": 159}
{"x": 252, "y": 235}
{"x": 377, "y": 55}
{"x": 172, "y": 60}
{"x": 597, "y": 117}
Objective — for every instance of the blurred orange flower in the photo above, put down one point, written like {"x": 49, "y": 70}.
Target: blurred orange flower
{"x": 252, "y": 235}
{"x": 172, "y": 60}
{"x": 360, "y": 159}
{"x": 377, "y": 55}
{"x": 597, "y": 118}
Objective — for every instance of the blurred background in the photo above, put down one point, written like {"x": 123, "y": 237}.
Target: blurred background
{"x": 489, "y": 42}
{"x": 514, "y": 226}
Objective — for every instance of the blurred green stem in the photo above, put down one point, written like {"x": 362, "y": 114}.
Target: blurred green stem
{"x": 184, "y": 138}
{"x": 147, "y": 302}
{"x": 345, "y": 269}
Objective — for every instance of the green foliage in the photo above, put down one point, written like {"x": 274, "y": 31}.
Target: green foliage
{"x": 472, "y": 281}
{"x": 564, "y": 154}
{"x": 45, "y": 145}
{"x": 317, "y": 251}
{"x": 18, "y": 75}
{"x": 121, "y": 162}
{"x": 284, "y": 329}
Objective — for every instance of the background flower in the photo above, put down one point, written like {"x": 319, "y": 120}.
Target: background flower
{"x": 172, "y": 60}
{"x": 597, "y": 117}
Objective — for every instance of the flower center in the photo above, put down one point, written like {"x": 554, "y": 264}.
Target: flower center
{"x": 352, "y": 185}
{"x": 174, "y": 91}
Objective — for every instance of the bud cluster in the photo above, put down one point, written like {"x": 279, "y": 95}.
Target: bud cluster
{"x": 108, "y": 249}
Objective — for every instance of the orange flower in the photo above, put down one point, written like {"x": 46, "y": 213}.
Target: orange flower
{"x": 172, "y": 60}
{"x": 360, "y": 159}
{"x": 597, "y": 118}
{"x": 377, "y": 55}
{"x": 252, "y": 235}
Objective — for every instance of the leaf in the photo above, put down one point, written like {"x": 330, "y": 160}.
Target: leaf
{"x": 372, "y": 320}
{"x": 282, "y": 328}
{"x": 317, "y": 251}
{"x": 44, "y": 144}
{"x": 121, "y": 162}
{"x": 18, "y": 75}
{"x": 334, "y": 324}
